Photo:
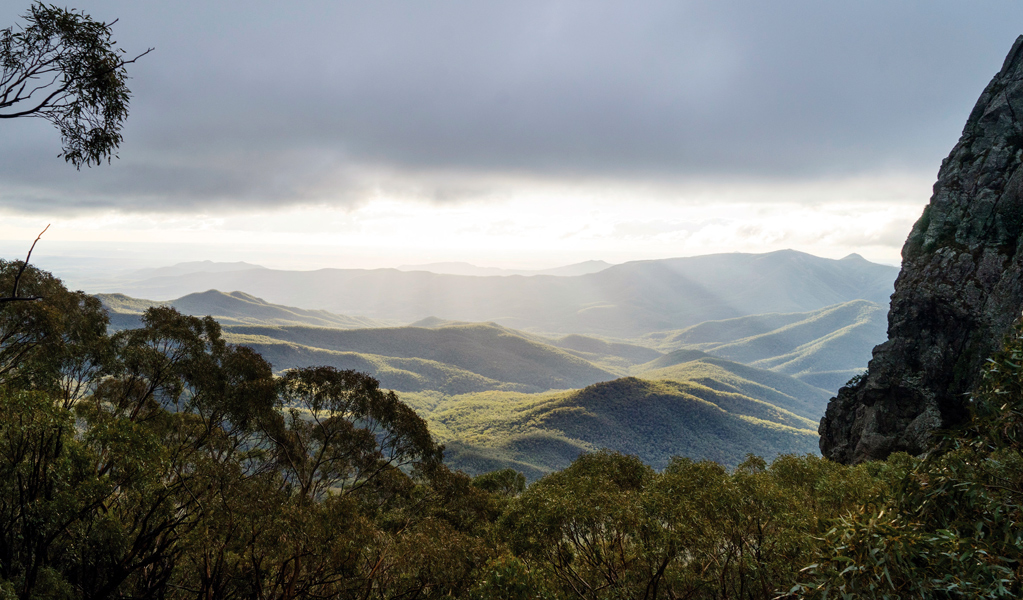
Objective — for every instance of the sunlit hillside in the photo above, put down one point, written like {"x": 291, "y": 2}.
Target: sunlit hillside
{"x": 501, "y": 397}
{"x": 652, "y": 419}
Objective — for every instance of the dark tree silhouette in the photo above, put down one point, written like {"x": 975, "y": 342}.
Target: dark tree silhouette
{"x": 63, "y": 66}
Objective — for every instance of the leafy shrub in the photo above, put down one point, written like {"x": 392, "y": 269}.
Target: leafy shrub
{"x": 952, "y": 529}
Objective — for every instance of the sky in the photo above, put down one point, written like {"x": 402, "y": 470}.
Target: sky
{"x": 510, "y": 133}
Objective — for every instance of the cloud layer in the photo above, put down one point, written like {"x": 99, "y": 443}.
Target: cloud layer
{"x": 266, "y": 104}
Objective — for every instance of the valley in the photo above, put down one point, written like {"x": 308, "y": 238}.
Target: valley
{"x": 535, "y": 398}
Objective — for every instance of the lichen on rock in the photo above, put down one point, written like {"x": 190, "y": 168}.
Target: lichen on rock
{"x": 958, "y": 294}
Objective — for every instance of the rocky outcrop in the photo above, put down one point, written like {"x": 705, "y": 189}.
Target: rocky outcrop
{"x": 959, "y": 291}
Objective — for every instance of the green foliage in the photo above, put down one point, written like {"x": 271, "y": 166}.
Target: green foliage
{"x": 608, "y": 526}
{"x": 165, "y": 462}
{"x": 341, "y": 431}
{"x": 509, "y": 578}
{"x": 506, "y": 482}
{"x": 56, "y": 342}
{"x": 62, "y": 66}
{"x": 182, "y": 467}
{"x": 952, "y": 530}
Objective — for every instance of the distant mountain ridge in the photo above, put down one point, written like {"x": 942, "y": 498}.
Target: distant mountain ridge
{"x": 464, "y": 268}
{"x": 625, "y": 301}
{"x": 199, "y": 266}
{"x": 234, "y": 308}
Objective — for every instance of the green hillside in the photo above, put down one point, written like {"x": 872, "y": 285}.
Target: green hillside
{"x": 396, "y": 373}
{"x": 652, "y": 419}
{"x": 493, "y": 352}
{"x": 824, "y": 348}
{"x": 781, "y": 390}
{"x": 597, "y": 347}
{"x": 616, "y": 357}
{"x": 498, "y": 397}
{"x": 716, "y": 333}
{"x": 842, "y": 328}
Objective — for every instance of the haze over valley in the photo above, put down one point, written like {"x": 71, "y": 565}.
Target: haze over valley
{"x": 709, "y": 357}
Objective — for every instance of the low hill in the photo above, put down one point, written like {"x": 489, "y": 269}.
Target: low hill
{"x": 824, "y": 347}
{"x": 487, "y": 350}
{"x": 624, "y": 301}
{"x": 778, "y": 389}
{"x": 654, "y": 420}
{"x": 233, "y": 308}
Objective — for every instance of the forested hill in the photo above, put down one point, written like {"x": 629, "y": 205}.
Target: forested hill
{"x": 625, "y": 300}
{"x": 499, "y": 397}
{"x": 708, "y": 409}
{"x": 822, "y": 348}
{"x": 233, "y": 308}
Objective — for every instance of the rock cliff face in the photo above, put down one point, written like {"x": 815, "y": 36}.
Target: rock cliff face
{"x": 959, "y": 291}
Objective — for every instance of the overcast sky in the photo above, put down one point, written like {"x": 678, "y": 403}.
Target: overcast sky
{"x": 513, "y": 133}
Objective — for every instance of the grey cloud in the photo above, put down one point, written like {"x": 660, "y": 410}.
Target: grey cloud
{"x": 264, "y": 103}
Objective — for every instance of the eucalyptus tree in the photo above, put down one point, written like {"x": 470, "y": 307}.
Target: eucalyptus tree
{"x": 63, "y": 66}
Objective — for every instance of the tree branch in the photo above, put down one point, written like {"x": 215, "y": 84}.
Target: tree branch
{"x": 17, "y": 278}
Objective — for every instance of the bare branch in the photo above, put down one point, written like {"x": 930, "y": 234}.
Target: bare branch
{"x": 17, "y": 278}
{"x": 30, "y": 111}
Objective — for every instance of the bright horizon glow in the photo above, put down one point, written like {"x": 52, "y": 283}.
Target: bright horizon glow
{"x": 533, "y": 225}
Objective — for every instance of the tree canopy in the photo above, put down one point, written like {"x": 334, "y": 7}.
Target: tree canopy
{"x": 162, "y": 462}
{"x": 64, "y": 66}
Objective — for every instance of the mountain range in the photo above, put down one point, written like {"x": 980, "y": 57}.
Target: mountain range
{"x": 534, "y": 399}
{"x": 463, "y": 268}
{"x": 624, "y": 301}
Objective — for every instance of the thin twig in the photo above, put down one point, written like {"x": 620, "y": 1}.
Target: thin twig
{"x": 17, "y": 278}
